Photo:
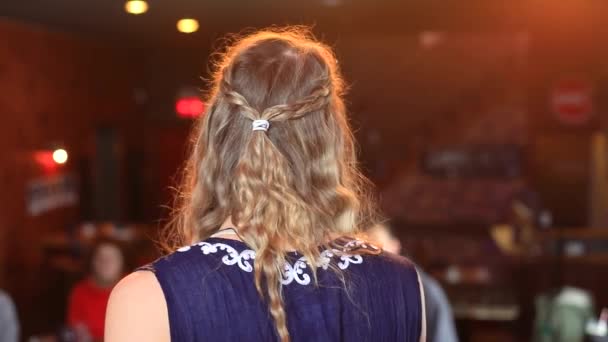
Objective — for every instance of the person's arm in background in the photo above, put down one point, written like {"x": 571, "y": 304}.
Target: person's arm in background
{"x": 439, "y": 317}
{"x": 423, "y": 334}
{"x": 9, "y": 324}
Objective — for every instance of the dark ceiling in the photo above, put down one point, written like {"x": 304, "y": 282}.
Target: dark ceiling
{"x": 107, "y": 19}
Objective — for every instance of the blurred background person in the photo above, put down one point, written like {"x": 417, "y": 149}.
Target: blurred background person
{"x": 9, "y": 322}
{"x": 439, "y": 318}
{"x": 89, "y": 298}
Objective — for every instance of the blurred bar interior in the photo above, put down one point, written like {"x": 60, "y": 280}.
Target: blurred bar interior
{"x": 482, "y": 123}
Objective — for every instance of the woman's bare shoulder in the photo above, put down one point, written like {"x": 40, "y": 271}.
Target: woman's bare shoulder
{"x": 136, "y": 284}
{"x": 137, "y": 310}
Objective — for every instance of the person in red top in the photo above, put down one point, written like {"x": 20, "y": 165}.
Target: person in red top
{"x": 89, "y": 298}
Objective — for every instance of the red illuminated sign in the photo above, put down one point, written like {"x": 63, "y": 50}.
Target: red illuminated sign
{"x": 572, "y": 101}
{"x": 189, "y": 107}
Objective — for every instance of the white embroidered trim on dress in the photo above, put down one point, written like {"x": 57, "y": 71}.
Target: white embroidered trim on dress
{"x": 292, "y": 272}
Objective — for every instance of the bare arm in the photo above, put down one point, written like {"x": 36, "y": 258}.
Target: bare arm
{"x": 9, "y": 323}
{"x": 422, "y": 299}
{"x": 137, "y": 311}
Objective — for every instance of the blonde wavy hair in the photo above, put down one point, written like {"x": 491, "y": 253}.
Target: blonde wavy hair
{"x": 296, "y": 185}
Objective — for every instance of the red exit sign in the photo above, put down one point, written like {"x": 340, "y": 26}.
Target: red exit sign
{"x": 189, "y": 107}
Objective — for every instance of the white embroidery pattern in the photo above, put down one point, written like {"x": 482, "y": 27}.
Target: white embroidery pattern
{"x": 291, "y": 272}
{"x": 295, "y": 272}
{"x": 233, "y": 257}
{"x": 185, "y": 248}
{"x": 348, "y": 259}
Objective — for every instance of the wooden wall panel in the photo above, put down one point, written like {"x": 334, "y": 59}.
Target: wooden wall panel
{"x": 54, "y": 88}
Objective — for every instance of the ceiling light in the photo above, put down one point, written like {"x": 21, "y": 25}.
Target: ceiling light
{"x": 136, "y": 6}
{"x": 187, "y": 25}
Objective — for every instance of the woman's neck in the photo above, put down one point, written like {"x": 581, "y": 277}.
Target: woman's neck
{"x": 231, "y": 230}
{"x": 228, "y": 226}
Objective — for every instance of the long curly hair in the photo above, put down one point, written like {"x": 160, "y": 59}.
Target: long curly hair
{"x": 298, "y": 183}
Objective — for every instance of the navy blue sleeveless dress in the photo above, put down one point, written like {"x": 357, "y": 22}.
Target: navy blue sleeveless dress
{"x": 210, "y": 294}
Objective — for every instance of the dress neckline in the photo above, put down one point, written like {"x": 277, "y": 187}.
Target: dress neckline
{"x": 235, "y": 252}
{"x": 241, "y": 243}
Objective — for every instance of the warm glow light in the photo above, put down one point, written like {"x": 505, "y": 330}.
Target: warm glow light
{"x": 60, "y": 156}
{"x": 136, "y": 6}
{"x": 189, "y": 107}
{"x": 187, "y": 25}
{"x": 430, "y": 39}
{"x": 44, "y": 158}
{"x": 332, "y": 3}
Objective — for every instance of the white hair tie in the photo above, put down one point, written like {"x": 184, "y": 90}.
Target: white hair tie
{"x": 260, "y": 125}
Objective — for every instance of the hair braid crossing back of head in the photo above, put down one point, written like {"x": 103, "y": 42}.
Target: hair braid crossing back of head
{"x": 295, "y": 186}
{"x": 240, "y": 101}
{"x": 315, "y": 101}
